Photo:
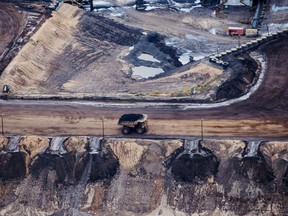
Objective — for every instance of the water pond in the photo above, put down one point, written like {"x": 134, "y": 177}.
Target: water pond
{"x": 146, "y": 72}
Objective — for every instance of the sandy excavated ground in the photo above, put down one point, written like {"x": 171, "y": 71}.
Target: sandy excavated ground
{"x": 68, "y": 56}
{"x": 60, "y": 59}
{"x": 36, "y": 56}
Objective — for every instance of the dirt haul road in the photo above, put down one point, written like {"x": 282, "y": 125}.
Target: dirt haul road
{"x": 264, "y": 114}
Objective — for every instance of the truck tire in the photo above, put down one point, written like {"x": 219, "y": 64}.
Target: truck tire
{"x": 140, "y": 130}
{"x": 126, "y": 130}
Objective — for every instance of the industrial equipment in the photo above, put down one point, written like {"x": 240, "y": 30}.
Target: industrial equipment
{"x": 134, "y": 122}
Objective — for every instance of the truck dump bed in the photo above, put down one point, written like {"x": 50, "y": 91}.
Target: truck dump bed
{"x": 132, "y": 119}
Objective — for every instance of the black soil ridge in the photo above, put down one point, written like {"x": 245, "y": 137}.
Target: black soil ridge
{"x": 69, "y": 171}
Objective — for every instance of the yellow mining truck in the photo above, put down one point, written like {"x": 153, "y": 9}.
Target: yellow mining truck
{"x": 134, "y": 122}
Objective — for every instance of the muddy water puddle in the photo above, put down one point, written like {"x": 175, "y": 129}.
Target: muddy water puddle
{"x": 148, "y": 57}
{"x": 146, "y": 72}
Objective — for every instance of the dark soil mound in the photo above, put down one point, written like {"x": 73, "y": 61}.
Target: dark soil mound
{"x": 105, "y": 29}
{"x": 94, "y": 167}
{"x": 104, "y": 165}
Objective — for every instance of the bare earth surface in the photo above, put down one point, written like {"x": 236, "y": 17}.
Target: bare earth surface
{"x": 66, "y": 60}
{"x": 264, "y": 114}
{"x": 175, "y": 174}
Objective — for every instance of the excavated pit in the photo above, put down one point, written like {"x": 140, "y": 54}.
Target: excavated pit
{"x": 243, "y": 75}
{"x": 83, "y": 55}
{"x": 12, "y": 161}
{"x": 193, "y": 162}
{"x": 12, "y": 166}
{"x": 70, "y": 167}
{"x": 253, "y": 164}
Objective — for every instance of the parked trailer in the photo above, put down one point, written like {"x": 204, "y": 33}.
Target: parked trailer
{"x": 236, "y": 31}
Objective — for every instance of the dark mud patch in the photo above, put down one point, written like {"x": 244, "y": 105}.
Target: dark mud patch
{"x": 253, "y": 164}
{"x": 208, "y": 2}
{"x": 12, "y": 165}
{"x": 62, "y": 166}
{"x": 256, "y": 169}
{"x": 104, "y": 165}
{"x": 285, "y": 181}
{"x": 186, "y": 167}
{"x": 69, "y": 170}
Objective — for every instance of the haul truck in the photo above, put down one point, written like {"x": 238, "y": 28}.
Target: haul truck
{"x": 134, "y": 122}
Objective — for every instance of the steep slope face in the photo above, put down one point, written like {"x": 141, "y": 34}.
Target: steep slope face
{"x": 56, "y": 177}
{"x": 232, "y": 190}
{"x": 137, "y": 187}
{"x": 192, "y": 163}
{"x": 91, "y": 176}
